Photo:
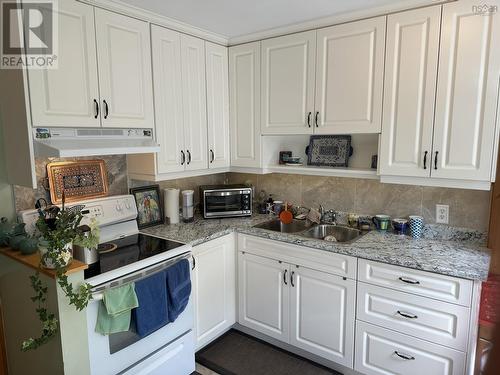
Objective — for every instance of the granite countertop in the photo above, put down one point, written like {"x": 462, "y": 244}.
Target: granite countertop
{"x": 466, "y": 257}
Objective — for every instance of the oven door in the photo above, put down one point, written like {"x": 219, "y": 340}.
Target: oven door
{"x": 224, "y": 203}
{"x": 124, "y": 351}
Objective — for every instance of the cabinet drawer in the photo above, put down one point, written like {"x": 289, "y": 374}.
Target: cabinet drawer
{"x": 425, "y": 318}
{"x": 381, "y": 351}
{"x": 337, "y": 264}
{"x": 427, "y": 284}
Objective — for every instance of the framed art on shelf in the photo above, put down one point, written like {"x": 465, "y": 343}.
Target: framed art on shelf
{"x": 329, "y": 150}
{"x": 148, "y": 202}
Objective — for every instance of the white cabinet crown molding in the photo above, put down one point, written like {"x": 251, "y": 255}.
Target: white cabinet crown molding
{"x": 337, "y": 19}
{"x": 157, "y": 19}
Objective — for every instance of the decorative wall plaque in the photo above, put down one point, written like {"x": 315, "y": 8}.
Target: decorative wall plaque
{"x": 80, "y": 180}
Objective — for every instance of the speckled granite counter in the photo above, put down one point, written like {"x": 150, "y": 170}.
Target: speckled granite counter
{"x": 465, "y": 259}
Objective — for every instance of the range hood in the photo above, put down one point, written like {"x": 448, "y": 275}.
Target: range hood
{"x": 64, "y": 142}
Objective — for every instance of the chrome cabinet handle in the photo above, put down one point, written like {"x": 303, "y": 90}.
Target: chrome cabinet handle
{"x": 406, "y": 357}
{"x": 284, "y": 277}
{"x": 407, "y": 315}
{"x": 309, "y": 119}
{"x": 212, "y": 156}
{"x": 425, "y": 160}
{"x": 436, "y": 160}
{"x": 96, "y": 108}
{"x": 316, "y": 119}
{"x": 106, "y": 108}
{"x": 291, "y": 278}
{"x": 189, "y": 157}
{"x": 409, "y": 281}
{"x": 183, "y": 157}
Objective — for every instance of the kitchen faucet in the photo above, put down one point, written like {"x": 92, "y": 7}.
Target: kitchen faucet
{"x": 324, "y": 214}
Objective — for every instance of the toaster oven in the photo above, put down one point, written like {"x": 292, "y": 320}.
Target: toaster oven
{"x": 225, "y": 201}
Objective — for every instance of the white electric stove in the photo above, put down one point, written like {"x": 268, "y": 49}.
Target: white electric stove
{"x": 167, "y": 351}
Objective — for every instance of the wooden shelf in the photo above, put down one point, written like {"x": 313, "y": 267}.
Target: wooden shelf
{"x": 33, "y": 261}
{"x": 324, "y": 171}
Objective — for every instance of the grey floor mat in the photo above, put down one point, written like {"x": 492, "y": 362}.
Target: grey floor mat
{"x": 236, "y": 353}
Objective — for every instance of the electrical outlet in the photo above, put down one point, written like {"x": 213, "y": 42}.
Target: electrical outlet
{"x": 442, "y": 213}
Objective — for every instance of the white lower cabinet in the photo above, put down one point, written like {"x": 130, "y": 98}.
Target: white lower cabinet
{"x": 264, "y": 295}
{"x": 310, "y": 309}
{"x": 214, "y": 288}
{"x": 322, "y": 308}
{"x": 382, "y": 351}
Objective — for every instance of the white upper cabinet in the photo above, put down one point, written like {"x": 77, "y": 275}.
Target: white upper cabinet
{"x": 288, "y": 68}
{"x": 168, "y": 98}
{"x": 409, "y": 92}
{"x": 69, "y": 95}
{"x": 194, "y": 102}
{"x": 217, "y": 105}
{"x": 349, "y": 77}
{"x": 467, "y": 93}
{"x": 124, "y": 52}
{"x": 244, "y": 105}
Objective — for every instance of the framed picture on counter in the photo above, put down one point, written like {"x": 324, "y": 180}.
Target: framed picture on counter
{"x": 148, "y": 202}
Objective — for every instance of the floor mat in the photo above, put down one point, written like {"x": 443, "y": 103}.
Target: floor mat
{"x": 236, "y": 353}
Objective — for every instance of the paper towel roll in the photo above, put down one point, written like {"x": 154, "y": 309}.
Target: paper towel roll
{"x": 171, "y": 203}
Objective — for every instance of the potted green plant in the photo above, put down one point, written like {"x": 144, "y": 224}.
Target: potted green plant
{"x": 57, "y": 236}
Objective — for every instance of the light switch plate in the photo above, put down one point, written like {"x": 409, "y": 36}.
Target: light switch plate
{"x": 442, "y": 213}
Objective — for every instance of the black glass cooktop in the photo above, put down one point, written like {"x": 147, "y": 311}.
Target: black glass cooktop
{"x": 127, "y": 250}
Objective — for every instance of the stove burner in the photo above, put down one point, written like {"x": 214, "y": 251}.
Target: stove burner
{"x": 127, "y": 250}
{"x": 104, "y": 248}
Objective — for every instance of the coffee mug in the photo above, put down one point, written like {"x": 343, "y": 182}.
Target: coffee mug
{"x": 381, "y": 222}
{"x": 400, "y": 226}
{"x": 416, "y": 224}
{"x": 278, "y": 207}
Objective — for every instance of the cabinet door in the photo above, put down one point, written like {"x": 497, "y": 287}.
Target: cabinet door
{"x": 168, "y": 98}
{"x": 244, "y": 105}
{"x": 194, "y": 102}
{"x": 467, "y": 93}
{"x": 349, "y": 77}
{"x": 409, "y": 92}
{"x": 217, "y": 105}
{"x": 264, "y": 295}
{"x": 124, "y": 53}
{"x": 288, "y": 66}
{"x": 69, "y": 95}
{"x": 214, "y": 280}
{"x": 322, "y": 310}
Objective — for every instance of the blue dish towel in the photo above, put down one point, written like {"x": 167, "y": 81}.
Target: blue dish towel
{"x": 178, "y": 288}
{"x": 152, "y": 312}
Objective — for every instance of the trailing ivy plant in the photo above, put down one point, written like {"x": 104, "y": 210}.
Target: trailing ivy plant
{"x": 56, "y": 234}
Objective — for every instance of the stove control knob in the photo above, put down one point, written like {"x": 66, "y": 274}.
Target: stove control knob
{"x": 118, "y": 207}
{"x": 127, "y": 205}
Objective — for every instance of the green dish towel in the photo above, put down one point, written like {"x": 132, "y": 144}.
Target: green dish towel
{"x": 115, "y": 308}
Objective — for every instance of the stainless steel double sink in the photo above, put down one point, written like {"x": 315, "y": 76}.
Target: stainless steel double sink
{"x": 307, "y": 229}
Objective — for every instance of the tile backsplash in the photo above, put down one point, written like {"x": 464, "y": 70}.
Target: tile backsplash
{"x": 468, "y": 208}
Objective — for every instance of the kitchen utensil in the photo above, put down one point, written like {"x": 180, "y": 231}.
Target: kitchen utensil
{"x": 400, "y": 225}
{"x": 286, "y": 216}
{"x": 416, "y": 224}
{"x": 187, "y": 205}
{"x": 41, "y": 206}
{"x": 381, "y": 222}
{"x": 171, "y": 203}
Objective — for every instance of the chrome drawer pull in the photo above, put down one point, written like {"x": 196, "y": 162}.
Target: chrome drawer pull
{"x": 407, "y": 315}
{"x": 406, "y": 357}
{"x": 409, "y": 281}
